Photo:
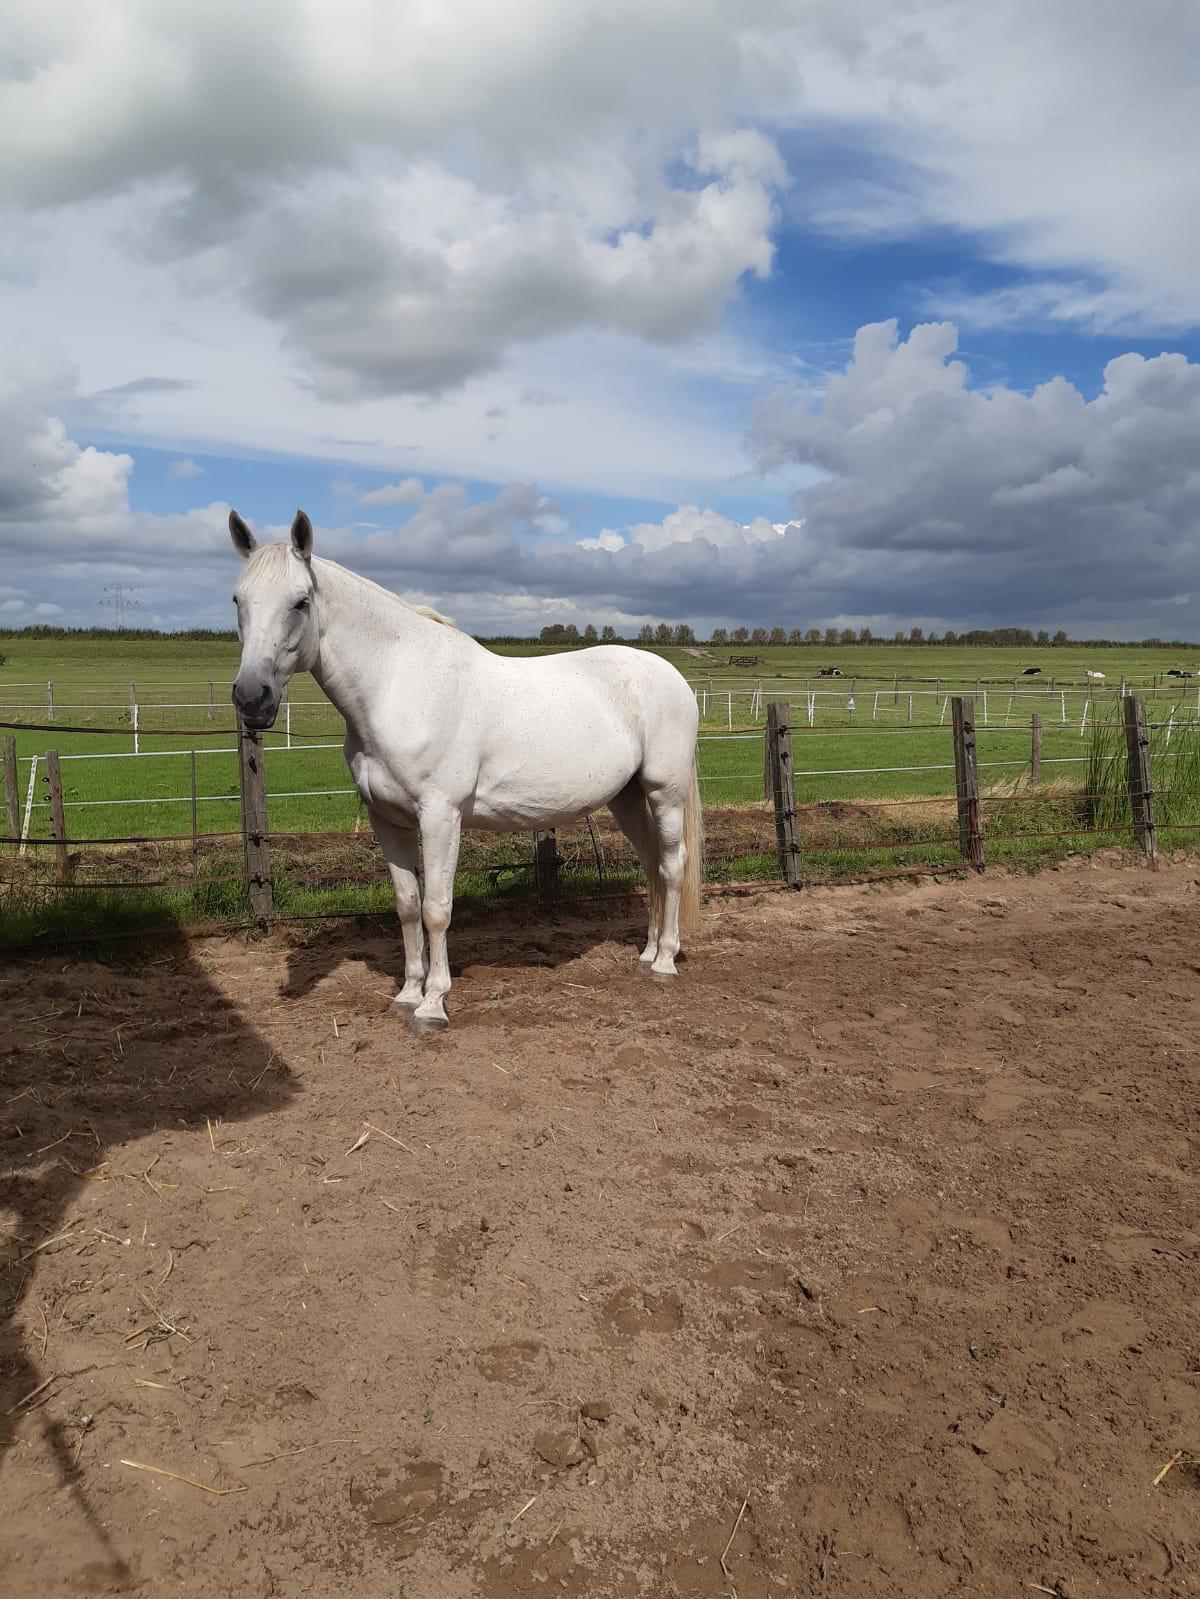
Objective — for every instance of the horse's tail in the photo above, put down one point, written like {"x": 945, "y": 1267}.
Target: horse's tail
{"x": 693, "y": 868}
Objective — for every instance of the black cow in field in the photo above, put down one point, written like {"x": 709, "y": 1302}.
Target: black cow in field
{"x": 1032, "y": 671}
{"x": 1174, "y": 671}
{"x": 830, "y": 671}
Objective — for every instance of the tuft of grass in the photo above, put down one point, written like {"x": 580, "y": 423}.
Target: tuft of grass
{"x": 1174, "y": 774}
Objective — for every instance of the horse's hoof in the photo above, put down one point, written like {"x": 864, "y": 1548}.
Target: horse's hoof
{"x": 427, "y": 1024}
{"x": 663, "y": 977}
{"x": 405, "y": 1006}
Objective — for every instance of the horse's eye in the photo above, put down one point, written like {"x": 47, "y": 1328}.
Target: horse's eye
{"x": 301, "y": 605}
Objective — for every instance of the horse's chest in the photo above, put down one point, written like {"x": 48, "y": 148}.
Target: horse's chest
{"x": 381, "y": 789}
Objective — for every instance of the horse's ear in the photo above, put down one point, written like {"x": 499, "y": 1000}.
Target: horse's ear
{"x": 244, "y": 541}
{"x": 302, "y": 536}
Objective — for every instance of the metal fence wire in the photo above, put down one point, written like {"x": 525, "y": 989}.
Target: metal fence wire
{"x": 252, "y": 868}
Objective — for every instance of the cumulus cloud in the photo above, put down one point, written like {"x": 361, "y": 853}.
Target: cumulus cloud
{"x": 689, "y": 525}
{"x": 416, "y": 282}
{"x": 952, "y": 501}
{"x": 938, "y": 503}
{"x": 407, "y": 492}
{"x": 607, "y": 539}
{"x": 44, "y": 475}
{"x": 405, "y": 192}
{"x": 185, "y": 468}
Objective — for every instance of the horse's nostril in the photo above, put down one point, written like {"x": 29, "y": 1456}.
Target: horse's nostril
{"x": 248, "y": 701}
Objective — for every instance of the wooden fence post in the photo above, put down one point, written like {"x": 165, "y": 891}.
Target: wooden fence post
{"x": 58, "y": 820}
{"x": 545, "y": 867}
{"x": 783, "y": 790}
{"x": 1137, "y": 765}
{"x": 12, "y": 800}
{"x": 966, "y": 781}
{"x": 49, "y": 702}
{"x": 1035, "y": 749}
{"x": 210, "y": 702}
{"x": 256, "y": 846}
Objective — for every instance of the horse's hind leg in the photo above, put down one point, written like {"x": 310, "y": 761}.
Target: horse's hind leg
{"x": 667, "y": 812}
{"x": 441, "y": 831}
{"x": 402, "y": 854}
{"x": 633, "y": 818}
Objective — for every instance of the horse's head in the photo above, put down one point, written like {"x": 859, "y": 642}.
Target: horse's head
{"x": 275, "y": 615}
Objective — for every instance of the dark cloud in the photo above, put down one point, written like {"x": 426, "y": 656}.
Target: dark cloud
{"x": 941, "y": 504}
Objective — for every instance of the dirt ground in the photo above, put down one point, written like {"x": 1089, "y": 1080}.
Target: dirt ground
{"x": 863, "y": 1260}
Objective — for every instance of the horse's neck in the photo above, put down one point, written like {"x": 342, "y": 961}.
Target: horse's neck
{"x": 359, "y": 626}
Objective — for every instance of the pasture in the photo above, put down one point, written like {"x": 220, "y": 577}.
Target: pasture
{"x": 867, "y": 751}
{"x": 862, "y": 1260}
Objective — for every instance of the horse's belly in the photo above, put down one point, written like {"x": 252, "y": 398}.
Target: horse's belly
{"x": 530, "y": 799}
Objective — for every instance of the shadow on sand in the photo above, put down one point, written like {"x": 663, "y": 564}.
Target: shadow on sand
{"x": 94, "y": 1056}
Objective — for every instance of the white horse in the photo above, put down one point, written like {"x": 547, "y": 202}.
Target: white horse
{"x": 442, "y": 734}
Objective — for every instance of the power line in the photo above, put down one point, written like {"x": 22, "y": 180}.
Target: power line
{"x": 120, "y": 598}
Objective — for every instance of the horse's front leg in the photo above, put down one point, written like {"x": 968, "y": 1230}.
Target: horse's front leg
{"x": 441, "y": 829}
{"x": 400, "y": 850}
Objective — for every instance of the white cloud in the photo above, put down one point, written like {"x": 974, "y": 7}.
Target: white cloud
{"x": 1051, "y": 130}
{"x": 938, "y": 503}
{"x": 959, "y": 502}
{"x": 607, "y": 539}
{"x": 406, "y": 493}
{"x": 406, "y": 194}
{"x": 690, "y": 524}
{"x": 185, "y": 468}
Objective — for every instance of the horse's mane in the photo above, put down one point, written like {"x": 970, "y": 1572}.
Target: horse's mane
{"x": 270, "y": 561}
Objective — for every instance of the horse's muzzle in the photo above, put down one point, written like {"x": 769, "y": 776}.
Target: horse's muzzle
{"x": 258, "y": 711}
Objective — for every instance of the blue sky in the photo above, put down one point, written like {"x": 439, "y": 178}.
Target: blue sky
{"x": 529, "y": 340}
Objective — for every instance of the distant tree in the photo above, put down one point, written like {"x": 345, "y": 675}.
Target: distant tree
{"x": 589, "y": 634}
{"x": 846, "y": 636}
{"x": 1060, "y": 638}
{"x": 932, "y": 638}
{"x": 663, "y": 633}
{"x": 759, "y": 636}
{"x": 740, "y": 635}
{"x": 571, "y": 633}
{"x": 899, "y": 636}
{"x": 778, "y": 636}
{"x": 556, "y": 633}
{"x": 831, "y": 635}
{"x": 719, "y": 637}
{"x": 950, "y": 637}
{"x": 645, "y": 634}
{"x": 916, "y": 635}
{"x": 684, "y": 634}
{"x": 813, "y": 636}
{"x": 796, "y": 636}
{"x": 1043, "y": 638}
{"x": 608, "y": 635}
{"x": 864, "y": 635}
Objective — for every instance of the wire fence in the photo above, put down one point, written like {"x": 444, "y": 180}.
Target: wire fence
{"x": 842, "y": 819}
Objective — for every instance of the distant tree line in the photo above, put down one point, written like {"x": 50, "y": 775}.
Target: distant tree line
{"x": 565, "y": 635}
{"x": 829, "y": 637}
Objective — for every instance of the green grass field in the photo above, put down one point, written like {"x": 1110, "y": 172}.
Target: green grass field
{"x": 879, "y": 734}
{"x": 867, "y": 732}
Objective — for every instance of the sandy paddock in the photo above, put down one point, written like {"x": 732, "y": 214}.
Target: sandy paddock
{"x": 861, "y": 1261}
